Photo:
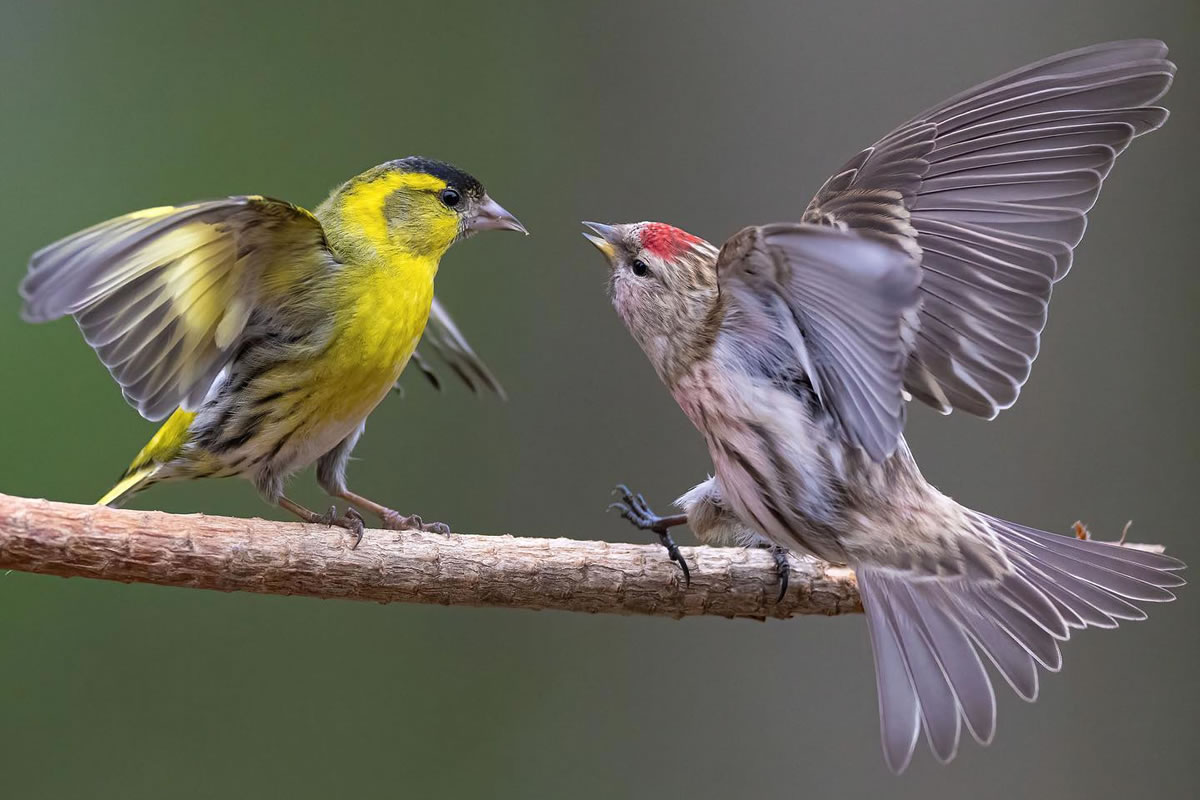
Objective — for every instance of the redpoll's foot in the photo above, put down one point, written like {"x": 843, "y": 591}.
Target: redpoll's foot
{"x": 783, "y": 568}
{"x": 351, "y": 520}
{"x": 395, "y": 521}
{"x": 634, "y": 508}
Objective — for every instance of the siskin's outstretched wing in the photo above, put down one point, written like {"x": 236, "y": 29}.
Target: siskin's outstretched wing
{"x": 991, "y": 190}
{"x": 164, "y": 295}
{"x": 444, "y": 339}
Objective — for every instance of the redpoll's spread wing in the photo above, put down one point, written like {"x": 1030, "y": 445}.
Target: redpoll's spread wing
{"x": 992, "y": 189}
{"x": 164, "y": 294}
{"x": 834, "y": 304}
{"x": 443, "y": 337}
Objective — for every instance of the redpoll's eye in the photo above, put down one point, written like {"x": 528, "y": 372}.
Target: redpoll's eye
{"x": 639, "y": 268}
{"x": 450, "y": 197}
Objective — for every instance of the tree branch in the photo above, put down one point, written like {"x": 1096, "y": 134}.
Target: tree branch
{"x": 255, "y": 555}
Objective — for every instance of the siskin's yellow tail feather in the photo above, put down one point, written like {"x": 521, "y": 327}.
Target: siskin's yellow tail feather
{"x": 163, "y": 446}
{"x": 129, "y": 484}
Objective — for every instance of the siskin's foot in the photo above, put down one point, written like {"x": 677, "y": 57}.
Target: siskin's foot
{"x": 351, "y": 520}
{"x": 634, "y": 508}
{"x": 395, "y": 521}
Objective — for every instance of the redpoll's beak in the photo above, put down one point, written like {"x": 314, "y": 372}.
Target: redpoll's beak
{"x": 605, "y": 238}
{"x": 491, "y": 216}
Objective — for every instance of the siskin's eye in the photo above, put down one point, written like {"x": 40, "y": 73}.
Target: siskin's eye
{"x": 451, "y": 198}
{"x": 639, "y": 268}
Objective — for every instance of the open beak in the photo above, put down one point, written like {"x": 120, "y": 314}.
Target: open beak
{"x": 491, "y": 216}
{"x": 605, "y": 238}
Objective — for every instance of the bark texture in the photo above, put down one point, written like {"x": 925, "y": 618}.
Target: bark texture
{"x": 254, "y": 555}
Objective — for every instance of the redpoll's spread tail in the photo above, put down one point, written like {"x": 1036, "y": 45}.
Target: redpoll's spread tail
{"x": 928, "y": 633}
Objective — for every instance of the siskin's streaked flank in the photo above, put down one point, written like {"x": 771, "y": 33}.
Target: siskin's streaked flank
{"x": 266, "y": 334}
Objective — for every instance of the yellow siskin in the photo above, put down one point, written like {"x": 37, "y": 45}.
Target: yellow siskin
{"x": 264, "y": 333}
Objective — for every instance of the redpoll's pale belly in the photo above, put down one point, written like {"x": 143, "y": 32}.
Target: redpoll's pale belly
{"x": 785, "y": 474}
{"x": 780, "y": 485}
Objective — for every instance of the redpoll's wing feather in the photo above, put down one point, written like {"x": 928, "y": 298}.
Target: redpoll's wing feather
{"x": 443, "y": 337}
{"x": 873, "y": 191}
{"x": 164, "y": 295}
{"x": 992, "y": 189}
{"x": 839, "y": 301}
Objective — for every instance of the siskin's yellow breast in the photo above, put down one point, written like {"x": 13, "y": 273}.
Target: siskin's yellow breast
{"x": 382, "y": 318}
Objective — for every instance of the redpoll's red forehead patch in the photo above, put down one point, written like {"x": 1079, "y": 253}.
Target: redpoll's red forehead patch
{"x": 666, "y": 241}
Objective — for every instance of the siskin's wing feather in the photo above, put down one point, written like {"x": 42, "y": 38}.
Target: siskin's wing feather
{"x": 164, "y": 295}
{"x": 443, "y": 337}
{"x": 991, "y": 190}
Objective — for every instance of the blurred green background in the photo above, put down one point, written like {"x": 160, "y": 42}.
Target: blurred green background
{"x": 711, "y": 116}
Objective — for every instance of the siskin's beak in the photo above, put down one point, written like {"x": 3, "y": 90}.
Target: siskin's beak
{"x": 605, "y": 238}
{"x": 491, "y": 216}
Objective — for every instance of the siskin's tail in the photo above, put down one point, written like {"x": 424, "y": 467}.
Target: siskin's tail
{"x": 162, "y": 447}
{"x": 928, "y": 633}
{"x": 132, "y": 481}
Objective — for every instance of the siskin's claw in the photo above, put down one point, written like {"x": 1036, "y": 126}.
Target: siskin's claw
{"x": 395, "y": 521}
{"x": 353, "y": 522}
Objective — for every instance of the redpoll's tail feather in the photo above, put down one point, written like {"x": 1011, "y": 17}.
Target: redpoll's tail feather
{"x": 928, "y": 633}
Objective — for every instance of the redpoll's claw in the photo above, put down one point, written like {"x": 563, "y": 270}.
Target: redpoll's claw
{"x": 634, "y": 508}
{"x": 783, "y": 568}
{"x": 675, "y": 555}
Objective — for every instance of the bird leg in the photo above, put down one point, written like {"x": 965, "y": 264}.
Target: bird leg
{"x": 351, "y": 520}
{"x": 394, "y": 520}
{"x": 634, "y": 508}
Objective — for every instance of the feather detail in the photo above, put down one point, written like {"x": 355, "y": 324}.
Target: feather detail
{"x": 991, "y": 190}
{"x": 835, "y": 304}
{"x": 165, "y": 295}
{"x": 928, "y": 633}
{"x": 447, "y": 342}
